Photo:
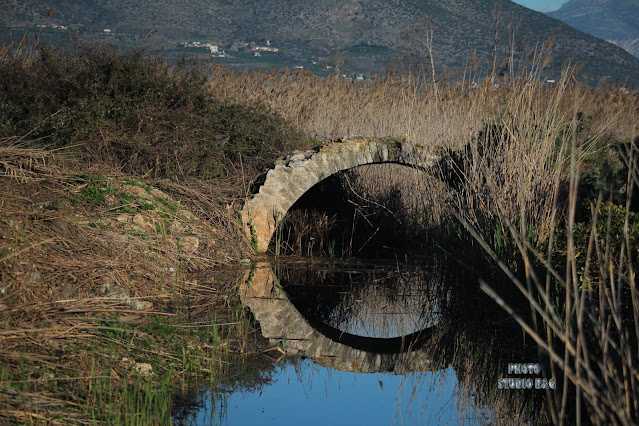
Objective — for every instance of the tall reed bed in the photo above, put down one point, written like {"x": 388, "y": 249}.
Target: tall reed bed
{"x": 580, "y": 281}
{"x": 543, "y": 176}
{"x": 447, "y": 114}
{"x": 333, "y": 107}
{"x": 568, "y": 245}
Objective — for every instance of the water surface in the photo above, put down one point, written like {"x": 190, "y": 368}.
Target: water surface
{"x": 380, "y": 342}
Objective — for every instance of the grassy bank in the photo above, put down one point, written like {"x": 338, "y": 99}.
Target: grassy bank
{"x": 115, "y": 294}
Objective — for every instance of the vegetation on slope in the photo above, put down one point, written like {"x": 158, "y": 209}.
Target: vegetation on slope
{"x": 135, "y": 112}
{"x": 615, "y": 22}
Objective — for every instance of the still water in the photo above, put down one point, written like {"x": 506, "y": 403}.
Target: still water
{"x": 304, "y": 393}
{"x": 382, "y": 342}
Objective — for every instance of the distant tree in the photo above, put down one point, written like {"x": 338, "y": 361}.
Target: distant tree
{"x": 337, "y": 59}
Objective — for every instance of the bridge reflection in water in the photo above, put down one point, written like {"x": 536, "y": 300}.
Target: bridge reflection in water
{"x": 397, "y": 319}
{"x": 435, "y": 344}
{"x": 327, "y": 339}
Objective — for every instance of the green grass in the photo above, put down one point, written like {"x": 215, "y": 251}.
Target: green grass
{"x": 138, "y": 234}
{"x": 141, "y": 402}
{"x": 94, "y": 187}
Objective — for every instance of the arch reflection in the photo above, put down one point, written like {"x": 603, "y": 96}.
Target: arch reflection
{"x": 281, "y": 321}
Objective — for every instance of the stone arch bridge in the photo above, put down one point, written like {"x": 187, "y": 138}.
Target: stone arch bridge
{"x": 299, "y": 172}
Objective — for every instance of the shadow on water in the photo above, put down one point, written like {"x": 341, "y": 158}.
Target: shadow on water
{"x": 417, "y": 340}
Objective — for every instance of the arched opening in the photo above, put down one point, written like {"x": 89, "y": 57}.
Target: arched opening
{"x": 380, "y": 309}
{"x": 372, "y": 211}
{"x": 292, "y": 177}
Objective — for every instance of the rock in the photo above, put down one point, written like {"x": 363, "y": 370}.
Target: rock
{"x": 110, "y": 289}
{"x": 35, "y": 277}
{"x": 143, "y": 369}
{"x": 137, "y": 191}
{"x": 297, "y": 156}
{"x": 134, "y": 319}
{"x": 118, "y": 292}
{"x": 189, "y": 245}
{"x": 110, "y": 200}
{"x": 15, "y": 224}
{"x": 122, "y": 218}
{"x": 158, "y": 194}
{"x": 296, "y": 163}
{"x": 139, "y": 220}
{"x": 177, "y": 227}
{"x": 141, "y": 305}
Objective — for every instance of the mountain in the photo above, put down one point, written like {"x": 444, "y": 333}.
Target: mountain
{"x": 614, "y": 20}
{"x": 361, "y": 35}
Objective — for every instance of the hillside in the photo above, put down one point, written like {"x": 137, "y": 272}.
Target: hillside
{"x": 365, "y": 36}
{"x": 613, "y": 21}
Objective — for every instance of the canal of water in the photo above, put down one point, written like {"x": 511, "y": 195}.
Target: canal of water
{"x": 374, "y": 342}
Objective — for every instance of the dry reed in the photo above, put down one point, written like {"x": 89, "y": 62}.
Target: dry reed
{"x": 530, "y": 115}
{"x": 527, "y": 183}
{"x": 524, "y": 144}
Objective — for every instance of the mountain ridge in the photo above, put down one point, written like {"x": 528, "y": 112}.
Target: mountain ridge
{"x": 307, "y": 30}
{"x": 612, "y": 21}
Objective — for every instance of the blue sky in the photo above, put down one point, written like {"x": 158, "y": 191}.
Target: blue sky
{"x": 541, "y": 5}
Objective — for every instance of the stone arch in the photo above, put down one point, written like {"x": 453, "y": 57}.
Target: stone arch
{"x": 300, "y": 171}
